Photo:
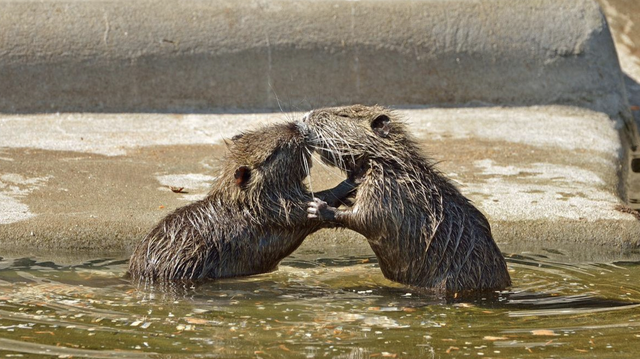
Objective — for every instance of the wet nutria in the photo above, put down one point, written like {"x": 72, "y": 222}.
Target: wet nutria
{"x": 253, "y": 217}
{"x": 422, "y": 229}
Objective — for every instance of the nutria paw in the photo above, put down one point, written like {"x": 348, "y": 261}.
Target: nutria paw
{"x": 319, "y": 209}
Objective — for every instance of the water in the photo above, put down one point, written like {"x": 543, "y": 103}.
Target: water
{"x": 318, "y": 305}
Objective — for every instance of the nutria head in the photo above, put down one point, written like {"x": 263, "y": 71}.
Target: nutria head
{"x": 266, "y": 164}
{"x": 347, "y": 137}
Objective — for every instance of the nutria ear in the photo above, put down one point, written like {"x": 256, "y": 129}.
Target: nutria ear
{"x": 380, "y": 125}
{"x": 242, "y": 175}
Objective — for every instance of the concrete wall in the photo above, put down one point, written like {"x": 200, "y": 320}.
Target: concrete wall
{"x": 138, "y": 56}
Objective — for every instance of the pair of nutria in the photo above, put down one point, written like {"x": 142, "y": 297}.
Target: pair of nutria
{"x": 424, "y": 232}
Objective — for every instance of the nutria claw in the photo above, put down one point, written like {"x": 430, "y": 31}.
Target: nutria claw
{"x": 315, "y": 207}
{"x": 319, "y": 209}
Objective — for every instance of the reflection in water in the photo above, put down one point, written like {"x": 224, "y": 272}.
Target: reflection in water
{"x": 316, "y": 308}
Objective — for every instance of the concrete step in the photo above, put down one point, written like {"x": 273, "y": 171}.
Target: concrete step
{"x": 98, "y": 182}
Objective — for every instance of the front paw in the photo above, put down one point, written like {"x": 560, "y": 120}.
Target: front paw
{"x": 319, "y": 209}
{"x": 315, "y": 208}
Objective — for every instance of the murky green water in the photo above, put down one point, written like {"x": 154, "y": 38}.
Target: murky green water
{"x": 318, "y": 306}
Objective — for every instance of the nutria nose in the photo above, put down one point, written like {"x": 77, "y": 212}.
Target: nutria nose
{"x": 303, "y": 128}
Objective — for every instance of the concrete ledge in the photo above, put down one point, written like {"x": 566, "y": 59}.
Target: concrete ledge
{"x": 98, "y": 182}
{"x": 122, "y": 56}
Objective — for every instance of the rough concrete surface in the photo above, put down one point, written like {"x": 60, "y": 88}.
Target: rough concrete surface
{"x": 175, "y": 56}
{"x": 543, "y": 175}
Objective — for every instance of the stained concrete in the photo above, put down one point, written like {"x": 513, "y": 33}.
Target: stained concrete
{"x": 98, "y": 182}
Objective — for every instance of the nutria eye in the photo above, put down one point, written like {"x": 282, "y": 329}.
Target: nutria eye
{"x": 343, "y": 115}
{"x": 236, "y": 137}
{"x": 380, "y": 125}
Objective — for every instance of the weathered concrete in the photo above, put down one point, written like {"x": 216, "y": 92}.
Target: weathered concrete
{"x": 123, "y": 56}
{"x": 543, "y": 175}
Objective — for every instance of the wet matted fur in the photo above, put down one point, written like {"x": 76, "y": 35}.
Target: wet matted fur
{"x": 253, "y": 217}
{"x": 424, "y": 232}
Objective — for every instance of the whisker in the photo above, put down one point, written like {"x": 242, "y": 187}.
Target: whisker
{"x": 345, "y": 146}
{"x": 276, "y": 96}
{"x": 307, "y": 169}
{"x": 331, "y": 170}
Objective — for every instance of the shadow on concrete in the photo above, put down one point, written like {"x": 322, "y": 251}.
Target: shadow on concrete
{"x": 633, "y": 94}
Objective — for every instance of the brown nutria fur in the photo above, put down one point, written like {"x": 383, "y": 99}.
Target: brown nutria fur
{"x": 422, "y": 229}
{"x": 253, "y": 217}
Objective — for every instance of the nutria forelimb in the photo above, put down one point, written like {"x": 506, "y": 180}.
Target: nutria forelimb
{"x": 422, "y": 229}
{"x": 253, "y": 217}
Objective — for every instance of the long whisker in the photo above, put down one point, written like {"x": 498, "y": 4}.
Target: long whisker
{"x": 335, "y": 150}
{"x": 276, "y": 96}
{"x": 321, "y": 145}
{"x": 307, "y": 170}
{"x": 346, "y": 145}
{"x": 329, "y": 146}
{"x": 331, "y": 170}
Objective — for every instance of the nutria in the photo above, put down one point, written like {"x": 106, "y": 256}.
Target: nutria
{"x": 424, "y": 232}
{"x": 253, "y": 217}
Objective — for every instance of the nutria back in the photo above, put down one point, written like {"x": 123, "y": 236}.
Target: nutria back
{"x": 252, "y": 218}
{"x": 422, "y": 229}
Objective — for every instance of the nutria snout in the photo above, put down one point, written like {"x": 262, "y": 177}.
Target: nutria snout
{"x": 422, "y": 229}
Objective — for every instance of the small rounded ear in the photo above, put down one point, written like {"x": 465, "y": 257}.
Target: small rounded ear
{"x": 242, "y": 175}
{"x": 380, "y": 125}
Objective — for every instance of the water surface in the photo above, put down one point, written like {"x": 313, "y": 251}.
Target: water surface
{"x": 318, "y": 305}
